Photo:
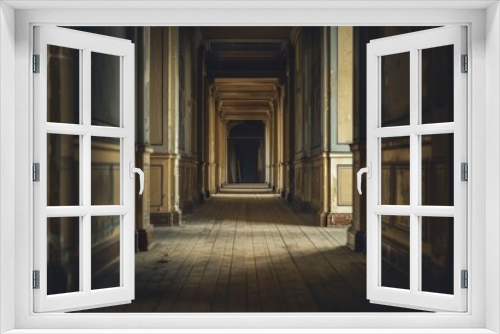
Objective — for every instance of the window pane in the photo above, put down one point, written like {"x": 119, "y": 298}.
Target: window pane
{"x": 105, "y": 240}
{"x": 395, "y": 181}
{"x": 395, "y": 240}
{"x": 63, "y": 85}
{"x": 437, "y": 254}
{"x": 106, "y": 81}
{"x": 63, "y": 170}
{"x": 437, "y": 170}
{"x": 395, "y": 89}
{"x": 105, "y": 171}
{"x": 437, "y": 84}
{"x": 63, "y": 255}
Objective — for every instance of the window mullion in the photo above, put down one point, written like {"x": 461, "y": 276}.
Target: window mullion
{"x": 86, "y": 168}
{"x": 414, "y": 169}
{"x": 81, "y": 176}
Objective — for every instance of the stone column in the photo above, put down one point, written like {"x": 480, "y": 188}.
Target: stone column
{"x": 290, "y": 128}
{"x": 167, "y": 155}
{"x": 341, "y": 104}
{"x": 326, "y": 180}
{"x": 202, "y": 123}
{"x": 143, "y": 227}
{"x": 356, "y": 236}
{"x": 222, "y": 145}
{"x": 204, "y": 140}
{"x": 286, "y": 139}
{"x": 173, "y": 121}
{"x": 283, "y": 146}
{"x": 278, "y": 142}
{"x": 222, "y": 148}
{"x": 272, "y": 146}
{"x": 279, "y": 148}
{"x": 268, "y": 150}
{"x": 217, "y": 149}
{"x": 212, "y": 167}
{"x": 223, "y": 141}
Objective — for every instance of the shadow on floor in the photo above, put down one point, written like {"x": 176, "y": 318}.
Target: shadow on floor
{"x": 250, "y": 254}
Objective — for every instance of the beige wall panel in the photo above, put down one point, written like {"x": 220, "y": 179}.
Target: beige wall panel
{"x": 344, "y": 182}
{"x": 298, "y": 180}
{"x": 315, "y": 182}
{"x": 160, "y": 192}
{"x": 308, "y": 182}
{"x": 345, "y": 85}
{"x": 156, "y": 185}
{"x": 182, "y": 179}
{"x": 188, "y": 176}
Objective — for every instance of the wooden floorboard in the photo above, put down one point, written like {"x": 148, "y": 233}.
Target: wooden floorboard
{"x": 249, "y": 253}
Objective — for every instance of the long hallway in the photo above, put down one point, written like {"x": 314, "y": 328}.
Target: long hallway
{"x": 249, "y": 253}
{"x": 249, "y": 139}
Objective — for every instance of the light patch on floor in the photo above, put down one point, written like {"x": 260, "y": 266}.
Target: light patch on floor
{"x": 249, "y": 253}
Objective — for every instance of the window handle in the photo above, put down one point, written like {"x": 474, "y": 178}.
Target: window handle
{"x": 141, "y": 175}
{"x": 368, "y": 171}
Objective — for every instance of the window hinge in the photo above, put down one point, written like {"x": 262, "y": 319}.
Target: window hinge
{"x": 465, "y": 279}
{"x": 36, "y": 172}
{"x": 465, "y": 64}
{"x": 464, "y": 172}
{"x": 36, "y": 279}
{"x": 36, "y": 63}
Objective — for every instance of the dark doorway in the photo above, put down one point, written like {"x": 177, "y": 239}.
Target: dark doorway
{"x": 246, "y": 152}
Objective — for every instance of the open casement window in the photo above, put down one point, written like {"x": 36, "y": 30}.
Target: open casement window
{"x": 83, "y": 165}
{"x": 416, "y": 144}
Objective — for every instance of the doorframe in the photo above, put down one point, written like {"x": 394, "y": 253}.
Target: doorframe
{"x": 484, "y": 102}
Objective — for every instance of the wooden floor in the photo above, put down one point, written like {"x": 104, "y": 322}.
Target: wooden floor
{"x": 249, "y": 253}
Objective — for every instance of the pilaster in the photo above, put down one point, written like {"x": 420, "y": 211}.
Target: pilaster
{"x": 143, "y": 227}
{"x": 212, "y": 184}
{"x": 217, "y": 147}
{"x": 336, "y": 127}
{"x": 268, "y": 151}
{"x": 356, "y": 235}
{"x": 281, "y": 141}
{"x": 356, "y": 238}
{"x": 326, "y": 209}
{"x": 165, "y": 159}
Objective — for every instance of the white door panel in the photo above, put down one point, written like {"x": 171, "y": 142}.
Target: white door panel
{"x": 407, "y": 123}
{"x": 84, "y": 143}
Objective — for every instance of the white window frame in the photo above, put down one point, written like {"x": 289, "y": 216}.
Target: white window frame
{"x": 483, "y": 123}
{"x": 413, "y": 44}
{"x": 123, "y": 50}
